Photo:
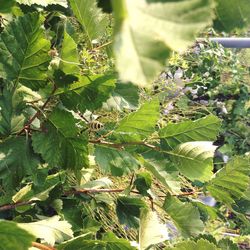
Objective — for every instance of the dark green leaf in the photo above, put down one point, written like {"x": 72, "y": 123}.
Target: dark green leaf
{"x": 232, "y": 181}
{"x": 5, "y": 6}
{"x": 60, "y": 144}
{"x": 115, "y": 161}
{"x": 139, "y": 124}
{"x": 185, "y": 216}
{"x": 13, "y": 237}
{"x": 204, "y": 129}
{"x": 24, "y": 51}
{"x": 143, "y": 182}
{"x": 128, "y": 210}
{"x": 227, "y": 244}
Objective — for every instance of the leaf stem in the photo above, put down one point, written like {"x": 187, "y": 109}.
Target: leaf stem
{"x": 42, "y": 247}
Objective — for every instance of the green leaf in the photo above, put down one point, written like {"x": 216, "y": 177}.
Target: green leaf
{"x": 32, "y": 192}
{"x": 5, "y": 6}
{"x": 124, "y": 96}
{"x": 69, "y": 56}
{"x": 139, "y": 124}
{"x": 143, "y": 183}
{"x": 192, "y": 245}
{"x": 147, "y": 31}
{"x": 194, "y": 159}
{"x": 90, "y": 17}
{"x": 51, "y": 230}
{"x": 99, "y": 183}
{"x": 232, "y": 15}
{"x": 227, "y": 244}
{"x": 44, "y": 2}
{"x": 161, "y": 168}
{"x": 204, "y": 129}
{"x": 89, "y": 93}
{"x": 60, "y": 143}
{"x": 230, "y": 183}
{"x": 16, "y": 160}
{"x": 109, "y": 242}
{"x": 184, "y": 215}
{"x": 13, "y": 237}
{"x": 128, "y": 210}
{"x": 114, "y": 161}
{"x": 11, "y": 120}
{"x": 152, "y": 231}
{"x": 24, "y": 52}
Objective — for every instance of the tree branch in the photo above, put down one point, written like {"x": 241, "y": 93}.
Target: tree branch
{"x": 42, "y": 247}
{"x": 38, "y": 113}
{"x": 14, "y": 205}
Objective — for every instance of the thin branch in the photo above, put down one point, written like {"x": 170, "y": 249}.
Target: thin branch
{"x": 14, "y": 205}
{"x": 37, "y": 114}
{"x": 42, "y": 247}
{"x": 103, "y": 45}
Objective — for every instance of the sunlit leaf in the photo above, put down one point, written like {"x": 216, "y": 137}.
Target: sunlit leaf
{"x": 44, "y": 2}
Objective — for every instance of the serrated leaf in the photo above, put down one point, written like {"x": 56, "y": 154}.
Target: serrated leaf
{"x": 230, "y": 183}
{"x": 90, "y": 17}
{"x": 11, "y": 120}
{"x": 50, "y": 230}
{"x": 128, "y": 210}
{"x": 114, "y": 161}
{"x": 184, "y": 215}
{"x": 144, "y": 34}
{"x": 124, "y": 96}
{"x": 138, "y": 125}
{"x": 227, "y": 244}
{"x": 194, "y": 159}
{"x": 143, "y": 182}
{"x": 89, "y": 93}
{"x": 32, "y": 192}
{"x": 60, "y": 144}
{"x": 69, "y": 56}
{"x": 160, "y": 167}
{"x": 152, "y": 231}
{"x": 16, "y": 160}
{"x": 109, "y": 242}
{"x": 232, "y": 15}
{"x": 204, "y": 129}
{"x": 192, "y": 245}
{"x": 14, "y": 237}
{"x": 24, "y": 51}
{"x": 44, "y": 2}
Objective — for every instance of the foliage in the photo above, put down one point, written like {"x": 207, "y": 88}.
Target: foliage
{"x": 91, "y": 160}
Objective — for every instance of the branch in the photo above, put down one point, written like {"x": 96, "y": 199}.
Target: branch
{"x": 37, "y": 114}
{"x": 42, "y": 247}
{"x": 14, "y": 205}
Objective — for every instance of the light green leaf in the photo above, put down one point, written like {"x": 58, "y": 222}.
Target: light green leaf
{"x": 16, "y": 160}
{"x": 11, "y": 120}
{"x": 204, "y": 129}
{"x": 89, "y": 93}
{"x": 184, "y": 215}
{"x": 50, "y": 230}
{"x": 194, "y": 159}
{"x": 24, "y": 51}
{"x": 13, "y": 237}
{"x": 139, "y": 124}
{"x": 90, "y": 17}
{"x": 114, "y": 161}
{"x": 69, "y": 56}
{"x": 109, "y": 242}
{"x": 161, "y": 168}
{"x": 232, "y": 15}
{"x": 60, "y": 143}
{"x": 230, "y": 183}
{"x": 147, "y": 31}
{"x": 152, "y": 231}
{"x": 124, "y": 96}
{"x": 99, "y": 183}
{"x": 192, "y": 245}
{"x": 31, "y": 192}
{"x": 128, "y": 210}
{"x": 44, "y": 2}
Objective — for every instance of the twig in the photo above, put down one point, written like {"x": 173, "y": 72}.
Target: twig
{"x": 42, "y": 247}
{"x": 37, "y": 114}
{"x": 14, "y": 205}
{"x": 103, "y": 45}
